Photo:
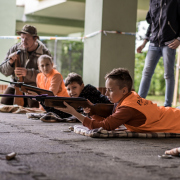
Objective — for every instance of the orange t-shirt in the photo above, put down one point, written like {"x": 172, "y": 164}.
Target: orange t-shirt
{"x": 52, "y": 82}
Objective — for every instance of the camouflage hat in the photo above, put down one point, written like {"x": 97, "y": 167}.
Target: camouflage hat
{"x": 28, "y": 29}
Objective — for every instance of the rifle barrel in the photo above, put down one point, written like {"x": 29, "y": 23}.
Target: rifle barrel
{"x": 26, "y": 87}
{"x": 21, "y": 96}
{"x": 101, "y": 109}
{"x": 44, "y": 96}
{"x": 10, "y": 81}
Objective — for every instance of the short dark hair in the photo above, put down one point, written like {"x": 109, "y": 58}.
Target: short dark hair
{"x": 122, "y": 76}
{"x": 73, "y": 77}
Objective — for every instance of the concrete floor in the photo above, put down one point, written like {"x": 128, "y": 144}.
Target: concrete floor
{"x": 47, "y": 152}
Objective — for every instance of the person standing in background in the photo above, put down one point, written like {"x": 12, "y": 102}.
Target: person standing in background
{"x": 164, "y": 36}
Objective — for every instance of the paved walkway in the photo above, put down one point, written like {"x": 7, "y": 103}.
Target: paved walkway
{"x": 48, "y": 152}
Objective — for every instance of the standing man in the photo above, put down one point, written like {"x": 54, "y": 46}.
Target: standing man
{"x": 164, "y": 36}
{"x": 30, "y": 49}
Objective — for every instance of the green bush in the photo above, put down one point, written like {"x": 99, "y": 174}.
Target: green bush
{"x": 71, "y": 57}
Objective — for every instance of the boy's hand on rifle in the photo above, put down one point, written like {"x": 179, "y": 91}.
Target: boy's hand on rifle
{"x": 69, "y": 109}
{"x": 20, "y": 71}
{"x": 87, "y": 110}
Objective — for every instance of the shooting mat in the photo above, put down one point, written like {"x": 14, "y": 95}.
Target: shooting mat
{"x": 101, "y": 133}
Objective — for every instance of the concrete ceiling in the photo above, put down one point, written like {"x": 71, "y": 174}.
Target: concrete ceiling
{"x": 65, "y": 9}
{"x": 60, "y": 17}
{"x": 143, "y": 7}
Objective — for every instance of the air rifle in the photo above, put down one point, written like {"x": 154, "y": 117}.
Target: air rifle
{"x": 17, "y": 63}
{"x": 100, "y": 109}
{"x": 25, "y": 88}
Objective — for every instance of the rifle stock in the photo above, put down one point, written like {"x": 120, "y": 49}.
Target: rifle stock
{"x": 18, "y": 101}
{"x": 100, "y": 109}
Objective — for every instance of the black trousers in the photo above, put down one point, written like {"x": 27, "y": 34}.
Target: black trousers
{"x": 9, "y": 100}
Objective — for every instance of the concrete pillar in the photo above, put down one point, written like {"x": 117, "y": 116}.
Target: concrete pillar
{"x": 103, "y": 53}
{"x": 8, "y": 25}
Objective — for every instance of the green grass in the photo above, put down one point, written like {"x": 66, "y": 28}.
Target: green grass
{"x": 159, "y": 100}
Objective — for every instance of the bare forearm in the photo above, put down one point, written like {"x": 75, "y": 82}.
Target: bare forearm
{"x": 70, "y": 110}
{"x": 79, "y": 116}
{"x": 140, "y": 48}
{"x": 144, "y": 42}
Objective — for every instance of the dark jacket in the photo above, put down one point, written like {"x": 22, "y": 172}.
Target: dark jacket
{"x": 92, "y": 94}
{"x": 164, "y": 22}
{"x": 89, "y": 92}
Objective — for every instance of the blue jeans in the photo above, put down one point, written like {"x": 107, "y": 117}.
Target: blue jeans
{"x": 152, "y": 58}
